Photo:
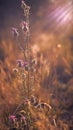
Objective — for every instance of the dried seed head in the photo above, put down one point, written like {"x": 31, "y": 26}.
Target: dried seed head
{"x": 34, "y": 61}
{"x": 27, "y": 67}
{"x": 15, "y": 70}
{"x": 23, "y": 75}
{"x": 33, "y": 69}
{"x": 23, "y": 118}
{"x": 25, "y": 8}
{"x": 20, "y": 62}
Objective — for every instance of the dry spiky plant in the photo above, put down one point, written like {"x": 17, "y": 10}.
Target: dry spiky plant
{"x": 26, "y": 71}
{"x": 27, "y": 111}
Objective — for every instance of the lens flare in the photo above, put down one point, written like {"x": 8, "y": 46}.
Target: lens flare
{"x": 64, "y": 14}
{"x": 61, "y": 16}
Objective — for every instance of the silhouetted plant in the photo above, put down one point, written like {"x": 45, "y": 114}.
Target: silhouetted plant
{"x": 25, "y": 69}
{"x": 24, "y": 117}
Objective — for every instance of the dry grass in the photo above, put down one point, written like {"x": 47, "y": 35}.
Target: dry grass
{"x": 53, "y": 84}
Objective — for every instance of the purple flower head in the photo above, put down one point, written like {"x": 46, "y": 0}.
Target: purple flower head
{"x": 20, "y": 62}
{"x": 25, "y": 63}
{"x": 12, "y": 118}
{"x": 23, "y": 118}
{"x": 15, "y": 32}
{"x": 26, "y": 101}
{"x": 24, "y": 26}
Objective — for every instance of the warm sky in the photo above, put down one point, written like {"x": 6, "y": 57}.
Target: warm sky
{"x": 54, "y": 15}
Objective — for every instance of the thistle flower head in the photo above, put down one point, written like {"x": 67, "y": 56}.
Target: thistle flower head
{"x": 26, "y": 101}
{"x": 24, "y": 26}
{"x": 15, "y": 32}
{"x": 12, "y": 118}
{"x": 20, "y": 62}
{"x": 25, "y": 63}
{"x": 23, "y": 118}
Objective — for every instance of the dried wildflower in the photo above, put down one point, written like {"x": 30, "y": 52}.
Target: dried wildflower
{"x": 33, "y": 69}
{"x": 27, "y": 67}
{"x": 26, "y": 101}
{"x": 34, "y": 61}
{"x": 23, "y": 75}
{"x": 12, "y": 118}
{"x": 24, "y": 26}
{"x": 25, "y": 8}
{"x": 23, "y": 4}
{"x": 15, "y": 70}
{"x": 34, "y": 100}
{"x": 23, "y": 118}
{"x": 20, "y": 62}
{"x": 15, "y": 32}
{"x": 25, "y": 63}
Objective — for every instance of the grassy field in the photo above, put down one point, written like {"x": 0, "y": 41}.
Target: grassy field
{"x": 53, "y": 83}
